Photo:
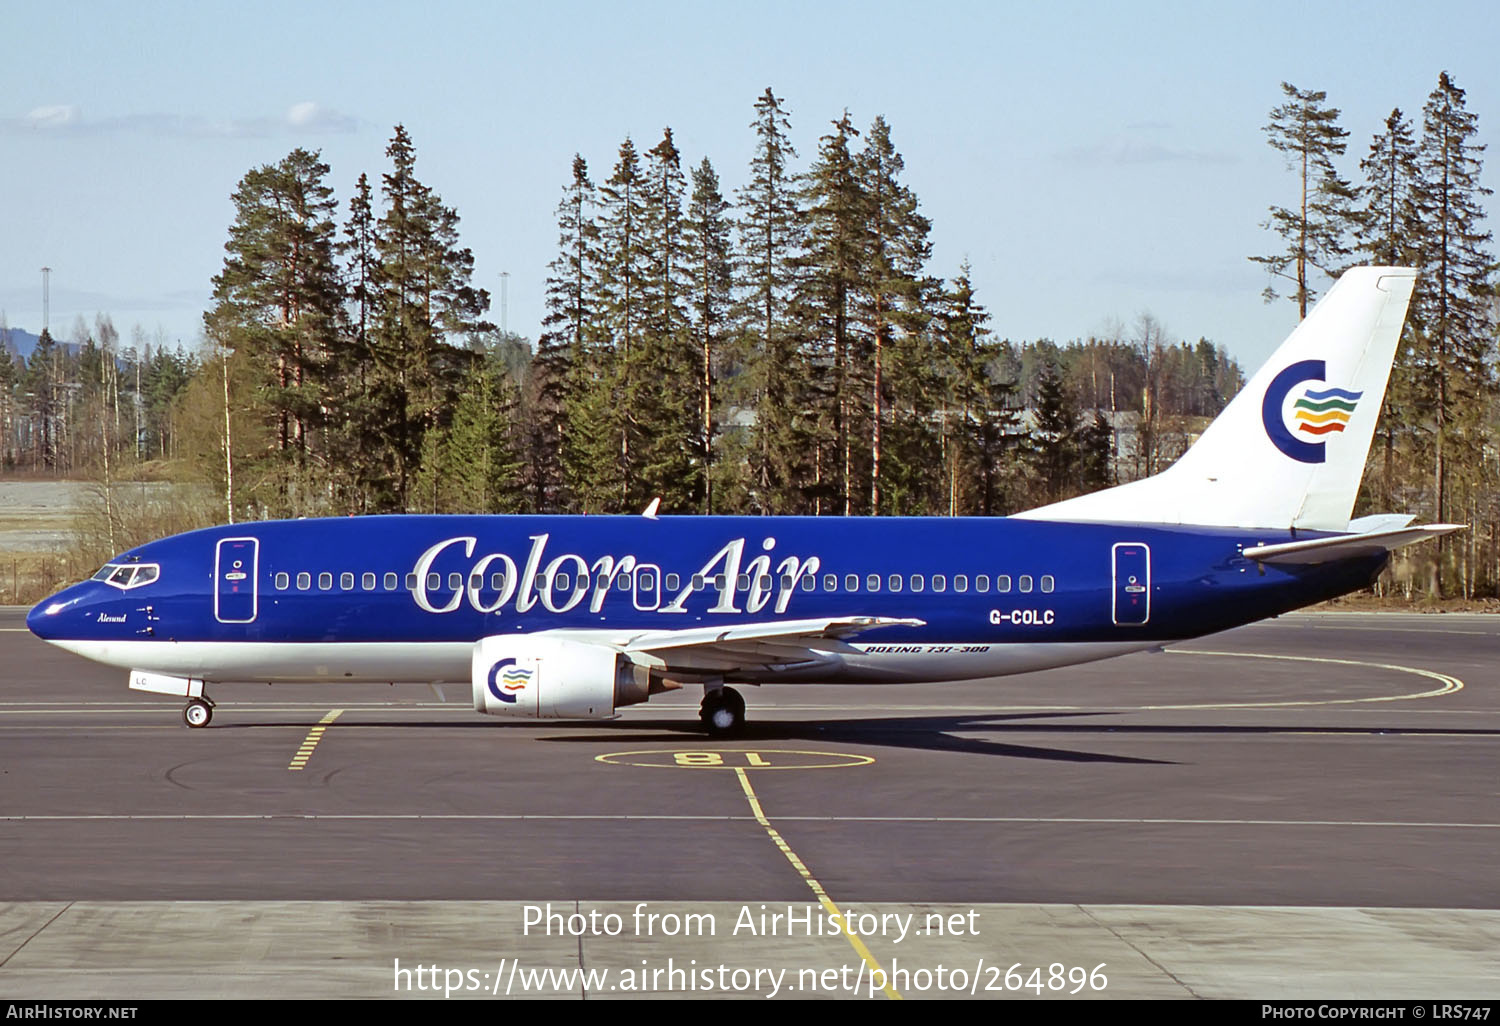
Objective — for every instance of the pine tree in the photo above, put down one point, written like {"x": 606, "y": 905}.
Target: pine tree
{"x": 277, "y": 300}
{"x": 1316, "y": 231}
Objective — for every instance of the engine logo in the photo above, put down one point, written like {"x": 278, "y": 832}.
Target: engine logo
{"x": 507, "y": 680}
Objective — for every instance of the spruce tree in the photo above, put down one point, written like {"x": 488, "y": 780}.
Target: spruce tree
{"x": 894, "y": 306}
{"x": 426, "y": 298}
{"x": 1453, "y": 303}
{"x": 709, "y": 262}
{"x": 570, "y": 329}
{"x": 837, "y": 266}
{"x": 619, "y": 364}
{"x": 665, "y": 389}
{"x": 770, "y": 241}
{"x": 1390, "y": 235}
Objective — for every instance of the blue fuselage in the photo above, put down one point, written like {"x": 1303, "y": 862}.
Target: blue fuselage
{"x": 418, "y": 580}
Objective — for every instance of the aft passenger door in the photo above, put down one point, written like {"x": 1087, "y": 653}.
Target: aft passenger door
{"x": 236, "y": 565}
{"x": 1132, "y": 583}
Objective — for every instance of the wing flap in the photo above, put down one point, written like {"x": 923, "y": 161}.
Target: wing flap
{"x": 783, "y": 631}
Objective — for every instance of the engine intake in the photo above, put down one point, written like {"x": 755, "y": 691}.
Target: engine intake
{"x": 554, "y": 678}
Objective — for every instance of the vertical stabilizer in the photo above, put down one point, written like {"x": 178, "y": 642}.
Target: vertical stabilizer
{"x": 1289, "y": 450}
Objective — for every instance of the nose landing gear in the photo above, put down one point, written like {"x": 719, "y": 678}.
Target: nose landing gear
{"x": 198, "y": 712}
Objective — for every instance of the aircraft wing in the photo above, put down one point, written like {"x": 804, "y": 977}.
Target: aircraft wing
{"x": 1345, "y": 546}
{"x": 772, "y": 645}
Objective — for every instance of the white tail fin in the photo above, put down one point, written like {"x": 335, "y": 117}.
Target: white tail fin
{"x": 1289, "y": 450}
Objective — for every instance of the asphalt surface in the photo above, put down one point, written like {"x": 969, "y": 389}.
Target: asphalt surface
{"x": 1315, "y": 761}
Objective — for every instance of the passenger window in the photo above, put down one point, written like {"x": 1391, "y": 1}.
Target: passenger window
{"x": 851, "y": 582}
{"x": 830, "y": 582}
{"x": 304, "y": 581}
{"x": 434, "y": 582}
{"x": 917, "y": 583}
{"x": 391, "y": 581}
{"x": 982, "y": 583}
{"x": 872, "y": 582}
{"x": 367, "y": 582}
{"x": 411, "y": 582}
{"x": 1025, "y": 583}
{"x": 1002, "y": 583}
{"x": 894, "y": 581}
{"x": 787, "y": 583}
{"x": 960, "y": 582}
{"x": 346, "y": 581}
{"x": 673, "y": 582}
{"x": 764, "y": 581}
{"x": 939, "y": 582}
{"x": 563, "y": 582}
{"x": 744, "y": 582}
{"x": 1047, "y": 583}
{"x": 282, "y": 580}
{"x": 325, "y": 581}
{"x": 497, "y": 581}
{"x": 648, "y": 581}
{"x": 719, "y": 582}
{"x": 697, "y": 582}
{"x": 809, "y": 582}
{"x": 623, "y": 582}
{"x": 455, "y": 581}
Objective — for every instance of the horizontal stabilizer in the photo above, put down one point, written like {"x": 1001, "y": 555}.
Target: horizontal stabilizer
{"x": 1346, "y": 546}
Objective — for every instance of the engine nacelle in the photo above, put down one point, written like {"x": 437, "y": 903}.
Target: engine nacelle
{"x": 542, "y": 677}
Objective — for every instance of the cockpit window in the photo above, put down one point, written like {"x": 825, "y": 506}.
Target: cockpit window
{"x": 128, "y": 575}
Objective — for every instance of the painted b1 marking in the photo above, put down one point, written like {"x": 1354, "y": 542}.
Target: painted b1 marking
{"x": 735, "y": 759}
{"x": 717, "y": 758}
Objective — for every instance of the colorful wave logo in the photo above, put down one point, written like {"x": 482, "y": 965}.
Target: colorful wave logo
{"x": 507, "y": 680}
{"x": 1325, "y": 412}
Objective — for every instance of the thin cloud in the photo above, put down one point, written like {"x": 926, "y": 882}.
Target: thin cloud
{"x": 313, "y": 117}
{"x": 1142, "y": 146}
{"x": 69, "y": 120}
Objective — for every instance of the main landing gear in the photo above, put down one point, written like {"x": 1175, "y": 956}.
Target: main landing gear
{"x": 198, "y": 712}
{"x": 722, "y": 712}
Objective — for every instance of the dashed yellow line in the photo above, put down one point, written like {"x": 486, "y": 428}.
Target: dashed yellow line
{"x": 311, "y": 740}
{"x": 812, "y": 882}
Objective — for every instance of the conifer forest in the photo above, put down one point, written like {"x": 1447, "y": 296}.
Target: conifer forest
{"x": 767, "y": 339}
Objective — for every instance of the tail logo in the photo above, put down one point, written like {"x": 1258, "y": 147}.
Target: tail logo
{"x": 1316, "y": 412}
{"x": 507, "y": 680}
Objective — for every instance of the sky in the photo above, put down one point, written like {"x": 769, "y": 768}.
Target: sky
{"x": 1092, "y": 162}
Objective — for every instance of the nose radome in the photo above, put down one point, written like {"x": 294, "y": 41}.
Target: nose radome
{"x": 48, "y": 619}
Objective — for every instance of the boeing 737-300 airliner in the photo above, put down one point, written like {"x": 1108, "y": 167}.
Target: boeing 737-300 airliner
{"x": 560, "y": 616}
